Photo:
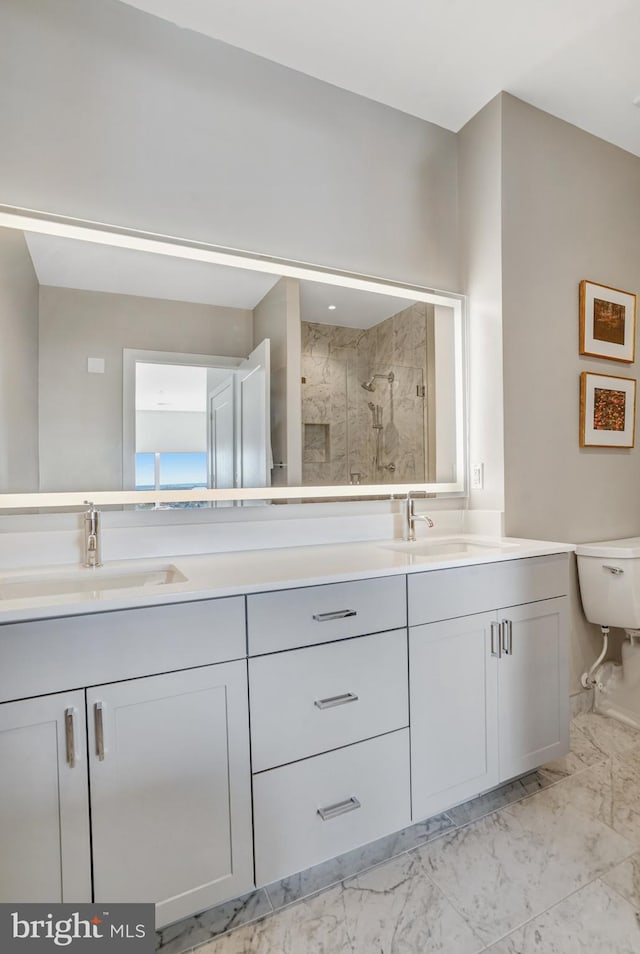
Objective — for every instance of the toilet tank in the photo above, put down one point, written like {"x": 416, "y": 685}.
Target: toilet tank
{"x": 609, "y": 574}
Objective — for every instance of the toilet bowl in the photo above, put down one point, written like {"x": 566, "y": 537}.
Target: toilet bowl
{"x": 609, "y": 576}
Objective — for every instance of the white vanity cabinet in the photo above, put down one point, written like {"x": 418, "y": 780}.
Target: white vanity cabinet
{"x": 168, "y": 765}
{"x": 329, "y": 720}
{"x": 44, "y": 800}
{"x": 488, "y": 690}
{"x": 127, "y": 772}
{"x": 170, "y": 789}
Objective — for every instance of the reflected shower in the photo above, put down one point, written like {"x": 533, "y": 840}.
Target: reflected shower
{"x": 370, "y": 386}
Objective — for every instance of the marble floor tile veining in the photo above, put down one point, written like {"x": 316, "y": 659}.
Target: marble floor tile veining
{"x": 594, "y": 920}
{"x": 316, "y": 925}
{"x": 397, "y": 907}
{"x": 548, "y": 864}
{"x": 305, "y": 883}
{"x": 608, "y": 735}
{"x": 625, "y": 878}
{"x": 191, "y": 932}
{"x": 511, "y": 866}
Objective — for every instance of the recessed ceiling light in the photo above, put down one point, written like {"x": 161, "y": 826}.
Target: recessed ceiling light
{"x": 332, "y": 307}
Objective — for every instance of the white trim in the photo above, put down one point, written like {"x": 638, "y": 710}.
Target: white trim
{"x": 130, "y": 357}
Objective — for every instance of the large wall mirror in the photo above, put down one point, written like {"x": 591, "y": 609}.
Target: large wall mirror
{"x": 138, "y": 368}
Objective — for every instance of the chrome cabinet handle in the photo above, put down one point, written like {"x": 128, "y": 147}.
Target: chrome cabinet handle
{"x": 70, "y": 735}
{"x": 616, "y": 570}
{"x": 99, "y": 710}
{"x": 338, "y": 614}
{"x": 495, "y": 643}
{"x": 507, "y": 637}
{"x": 340, "y": 808}
{"x": 333, "y": 701}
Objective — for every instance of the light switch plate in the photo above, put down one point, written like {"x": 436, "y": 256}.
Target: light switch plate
{"x": 477, "y": 476}
{"x": 95, "y": 365}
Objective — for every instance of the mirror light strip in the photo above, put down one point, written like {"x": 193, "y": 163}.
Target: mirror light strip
{"x": 121, "y": 497}
{"x": 33, "y": 221}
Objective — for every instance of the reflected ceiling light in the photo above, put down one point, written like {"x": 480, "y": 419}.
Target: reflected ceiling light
{"x": 331, "y": 307}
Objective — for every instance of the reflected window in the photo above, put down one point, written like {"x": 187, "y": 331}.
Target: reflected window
{"x": 177, "y": 471}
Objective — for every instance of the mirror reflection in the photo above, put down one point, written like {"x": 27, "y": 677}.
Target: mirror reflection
{"x": 126, "y": 369}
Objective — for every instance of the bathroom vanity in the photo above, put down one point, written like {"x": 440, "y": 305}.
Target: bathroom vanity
{"x": 186, "y": 742}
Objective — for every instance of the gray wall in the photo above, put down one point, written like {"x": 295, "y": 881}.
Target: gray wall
{"x": 81, "y": 412}
{"x": 114, "y": 115}
{"x": 480, "y": 183}
{"x": 277, "y": 317}
{"x": 571, "y": 210}
{"x": 18, "y": 366}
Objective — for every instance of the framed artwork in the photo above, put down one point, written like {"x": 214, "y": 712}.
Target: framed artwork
{"x": 607, "y": 410}
{"x": 607, "y": 322}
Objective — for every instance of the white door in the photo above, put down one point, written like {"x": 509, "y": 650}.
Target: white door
{"x": 253, "y": 416}
{"x": 533, "y": 693}
{"x": 171, "y": 790}
{"x": 221, "y": 437}
{"x": 453, "y": 683}
{"x": 44, "y": 806}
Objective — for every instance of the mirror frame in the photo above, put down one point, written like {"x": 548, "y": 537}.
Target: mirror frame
{"x": 28, "y": 220}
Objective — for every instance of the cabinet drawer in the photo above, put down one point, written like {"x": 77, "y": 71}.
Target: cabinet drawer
{"x": 313, "y": 810}
{"x": 320, "y": 614}
{"x": 445, "y": 594}
{"x": 106, "y": 647}
{"x": 310, "y": 700}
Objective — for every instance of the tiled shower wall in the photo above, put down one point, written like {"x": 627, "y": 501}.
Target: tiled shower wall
{"x": 338, "y": 440}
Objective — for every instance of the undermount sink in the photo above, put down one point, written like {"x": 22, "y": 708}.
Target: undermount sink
{"x": 91, "y": 582}
{"x": 449, "y": 547}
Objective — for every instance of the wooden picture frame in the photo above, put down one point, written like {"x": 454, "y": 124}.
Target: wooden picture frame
{"x": 607, "y": 322}
{"x": 607, "y": 410}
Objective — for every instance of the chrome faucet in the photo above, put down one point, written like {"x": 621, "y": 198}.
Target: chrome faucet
{"x": 92, "y": 536}
{"x": 410, "y": 516}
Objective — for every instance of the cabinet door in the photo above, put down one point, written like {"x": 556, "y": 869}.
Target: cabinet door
{"x": 453, "y": 694}
{"x": 44, "y": 819}
{"x": 171, "y": 790}
{"x": 533, "y": 686}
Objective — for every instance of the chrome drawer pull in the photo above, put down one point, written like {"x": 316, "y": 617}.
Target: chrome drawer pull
{"x": 336, "y": 700}
{"x": 338, "y": 614}
{"x": 70, "y": 735}
{"x": 507, "y": 637}
{"x": 616, "y": 570}
{"x": 340, "y": 808}
{"x": 99, "y": 709}
{"x": 495, "y": 643}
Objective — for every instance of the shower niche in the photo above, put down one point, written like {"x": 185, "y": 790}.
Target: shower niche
{"x": 368, "y": 400}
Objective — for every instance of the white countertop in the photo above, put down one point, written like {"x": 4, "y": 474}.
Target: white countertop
{"x": 250, "y": 571}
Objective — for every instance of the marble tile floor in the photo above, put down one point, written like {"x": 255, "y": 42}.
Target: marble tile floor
{"x": 549, "y": 864}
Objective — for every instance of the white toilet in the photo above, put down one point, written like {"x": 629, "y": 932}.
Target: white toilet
{"x": 609, "y": 574}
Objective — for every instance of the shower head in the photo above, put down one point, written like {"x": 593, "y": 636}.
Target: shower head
{"x": 370, "y": 386}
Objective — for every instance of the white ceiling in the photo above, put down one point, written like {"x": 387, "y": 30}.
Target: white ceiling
{"x": 442, "y": 60}
{"x": 171, "y": 387}
{"x": 91, "y": 266}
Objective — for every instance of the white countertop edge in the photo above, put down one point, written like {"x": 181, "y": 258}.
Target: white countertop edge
{"x": 259, "y": 571}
